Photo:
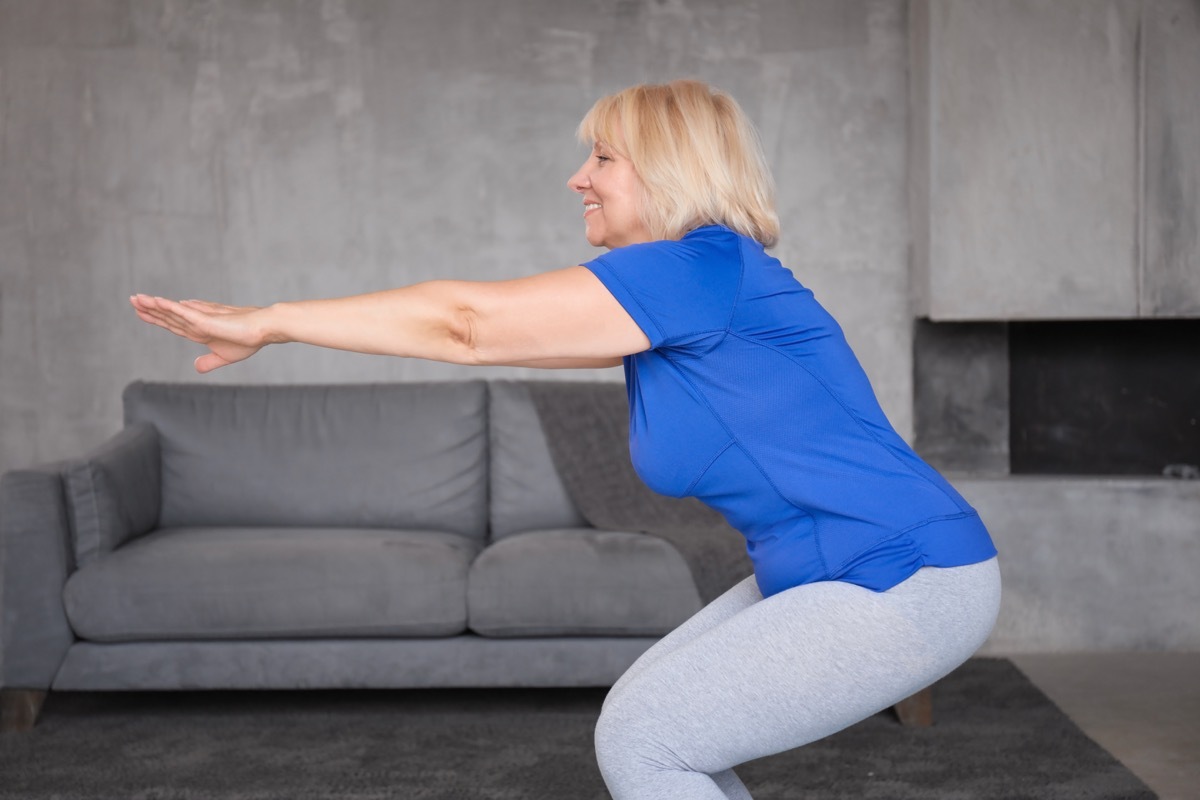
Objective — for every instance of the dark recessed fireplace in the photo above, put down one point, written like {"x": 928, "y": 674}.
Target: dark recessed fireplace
{"x": 1104, "y": 398}
{"x": 1112, "y": 397}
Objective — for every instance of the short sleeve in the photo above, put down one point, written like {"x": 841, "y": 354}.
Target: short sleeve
{"x": 675, "y": 291}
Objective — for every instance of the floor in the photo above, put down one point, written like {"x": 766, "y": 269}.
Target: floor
{"x": 1144, "y": 708}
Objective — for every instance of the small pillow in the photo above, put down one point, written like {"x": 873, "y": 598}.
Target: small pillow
{"x": 113, "y": 494}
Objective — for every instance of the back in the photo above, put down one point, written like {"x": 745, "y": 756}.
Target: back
{"x": 752, "y": 400}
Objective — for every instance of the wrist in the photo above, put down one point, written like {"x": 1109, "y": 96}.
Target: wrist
{"x": 274, "y": 328}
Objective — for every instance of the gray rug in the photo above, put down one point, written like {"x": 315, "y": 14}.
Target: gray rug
{"x": 995, "y": 736}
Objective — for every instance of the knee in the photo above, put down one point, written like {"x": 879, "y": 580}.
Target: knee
{"x": 611, "y": 734}
{"x": 626, "y": 738}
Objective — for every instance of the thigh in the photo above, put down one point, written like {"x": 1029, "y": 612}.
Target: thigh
{"x": 742, "y": 595}
{"x": 788, "y": 670}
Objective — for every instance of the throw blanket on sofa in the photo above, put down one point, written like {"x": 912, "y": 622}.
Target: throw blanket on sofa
{"x": 587, "y": 430}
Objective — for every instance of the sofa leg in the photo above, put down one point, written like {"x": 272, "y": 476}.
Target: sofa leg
{"x": 916, "y": 710}
{"x": 19, "y": 709}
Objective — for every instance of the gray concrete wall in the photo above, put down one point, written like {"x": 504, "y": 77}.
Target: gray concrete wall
{"x": 1027, "y": 205}
{"x": 1053, "y": 158}
{"x": 1170, "y": 275}
{"x": 1093, "y": 564}
{"x": 256, "y": 151}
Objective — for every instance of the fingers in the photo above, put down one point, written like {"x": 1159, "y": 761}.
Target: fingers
{"x": 208, "y": 362}
{"x": 161, "y": 314}
{"x": 146, "y": 300}
{"x": 212, "y": 308}
{"x": 149, "y": 302}
{"x": 169, "y": 306}
{"x": 204, "y": 305}
{"x": 158, "y": 307}
{"x": 162, "y": 321}
{"x": 163, "y": 304}
{"x": 188, "y": 324}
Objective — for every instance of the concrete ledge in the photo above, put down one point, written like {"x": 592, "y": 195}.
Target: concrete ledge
{"x": 1100, "y": 564}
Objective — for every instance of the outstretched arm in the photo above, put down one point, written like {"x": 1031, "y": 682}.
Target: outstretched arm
{"x": 555, "y": 319}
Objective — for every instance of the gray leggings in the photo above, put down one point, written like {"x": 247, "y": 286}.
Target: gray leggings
{"x": 747, "y": 677}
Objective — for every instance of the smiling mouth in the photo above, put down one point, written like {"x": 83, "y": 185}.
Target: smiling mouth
{"x": 589, "y": 208}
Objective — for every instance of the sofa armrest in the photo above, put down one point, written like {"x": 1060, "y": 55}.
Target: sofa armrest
{"x": 114, "y": 493}
{"x": 35, "y": 559}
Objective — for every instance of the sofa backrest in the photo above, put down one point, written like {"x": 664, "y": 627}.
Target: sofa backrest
{"x": 405, "y": 455}
{"x": 526, "y": 492}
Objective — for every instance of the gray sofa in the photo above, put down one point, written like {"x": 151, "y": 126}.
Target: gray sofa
{"x": 402, "y": 535}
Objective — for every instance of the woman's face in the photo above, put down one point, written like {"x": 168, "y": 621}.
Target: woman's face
{"x": 612, "y": 199}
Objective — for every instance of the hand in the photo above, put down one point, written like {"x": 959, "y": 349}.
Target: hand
{"x": 231, "y": 333}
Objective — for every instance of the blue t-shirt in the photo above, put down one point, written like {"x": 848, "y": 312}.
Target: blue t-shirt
{"x": 751, "y": 400}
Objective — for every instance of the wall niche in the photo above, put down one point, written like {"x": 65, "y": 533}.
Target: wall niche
{"x": 1092, "y": 397}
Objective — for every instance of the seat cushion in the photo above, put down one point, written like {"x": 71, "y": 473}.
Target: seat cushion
{"x": 238, "y": 583}
{"x": 404, "y": 456}
{"x": 579, "y": 582}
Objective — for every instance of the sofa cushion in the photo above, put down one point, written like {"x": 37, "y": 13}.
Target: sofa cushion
{"x": 579, "y": 582}
{"x": 398, "y": 456}
{"x": 113, "y": 493}
{"x": 526, "y": 492}
{"x": 239, "y": 583}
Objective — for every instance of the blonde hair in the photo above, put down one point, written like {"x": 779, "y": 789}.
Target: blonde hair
{"x": 698, "y": 156}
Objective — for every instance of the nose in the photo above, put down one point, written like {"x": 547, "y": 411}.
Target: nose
{"x": 581, "y": 181}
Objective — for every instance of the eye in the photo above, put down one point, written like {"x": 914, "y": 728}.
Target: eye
{"x": 601, "y": 157}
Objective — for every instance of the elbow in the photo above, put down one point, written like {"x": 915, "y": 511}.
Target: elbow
{"x": 463, "y": 335}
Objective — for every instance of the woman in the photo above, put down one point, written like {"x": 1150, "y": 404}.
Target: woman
{"x": 873, "y": 577}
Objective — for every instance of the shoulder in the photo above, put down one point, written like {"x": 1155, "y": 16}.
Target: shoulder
{"x": 675, "y": 288}
{"x": 709, "y": 246}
